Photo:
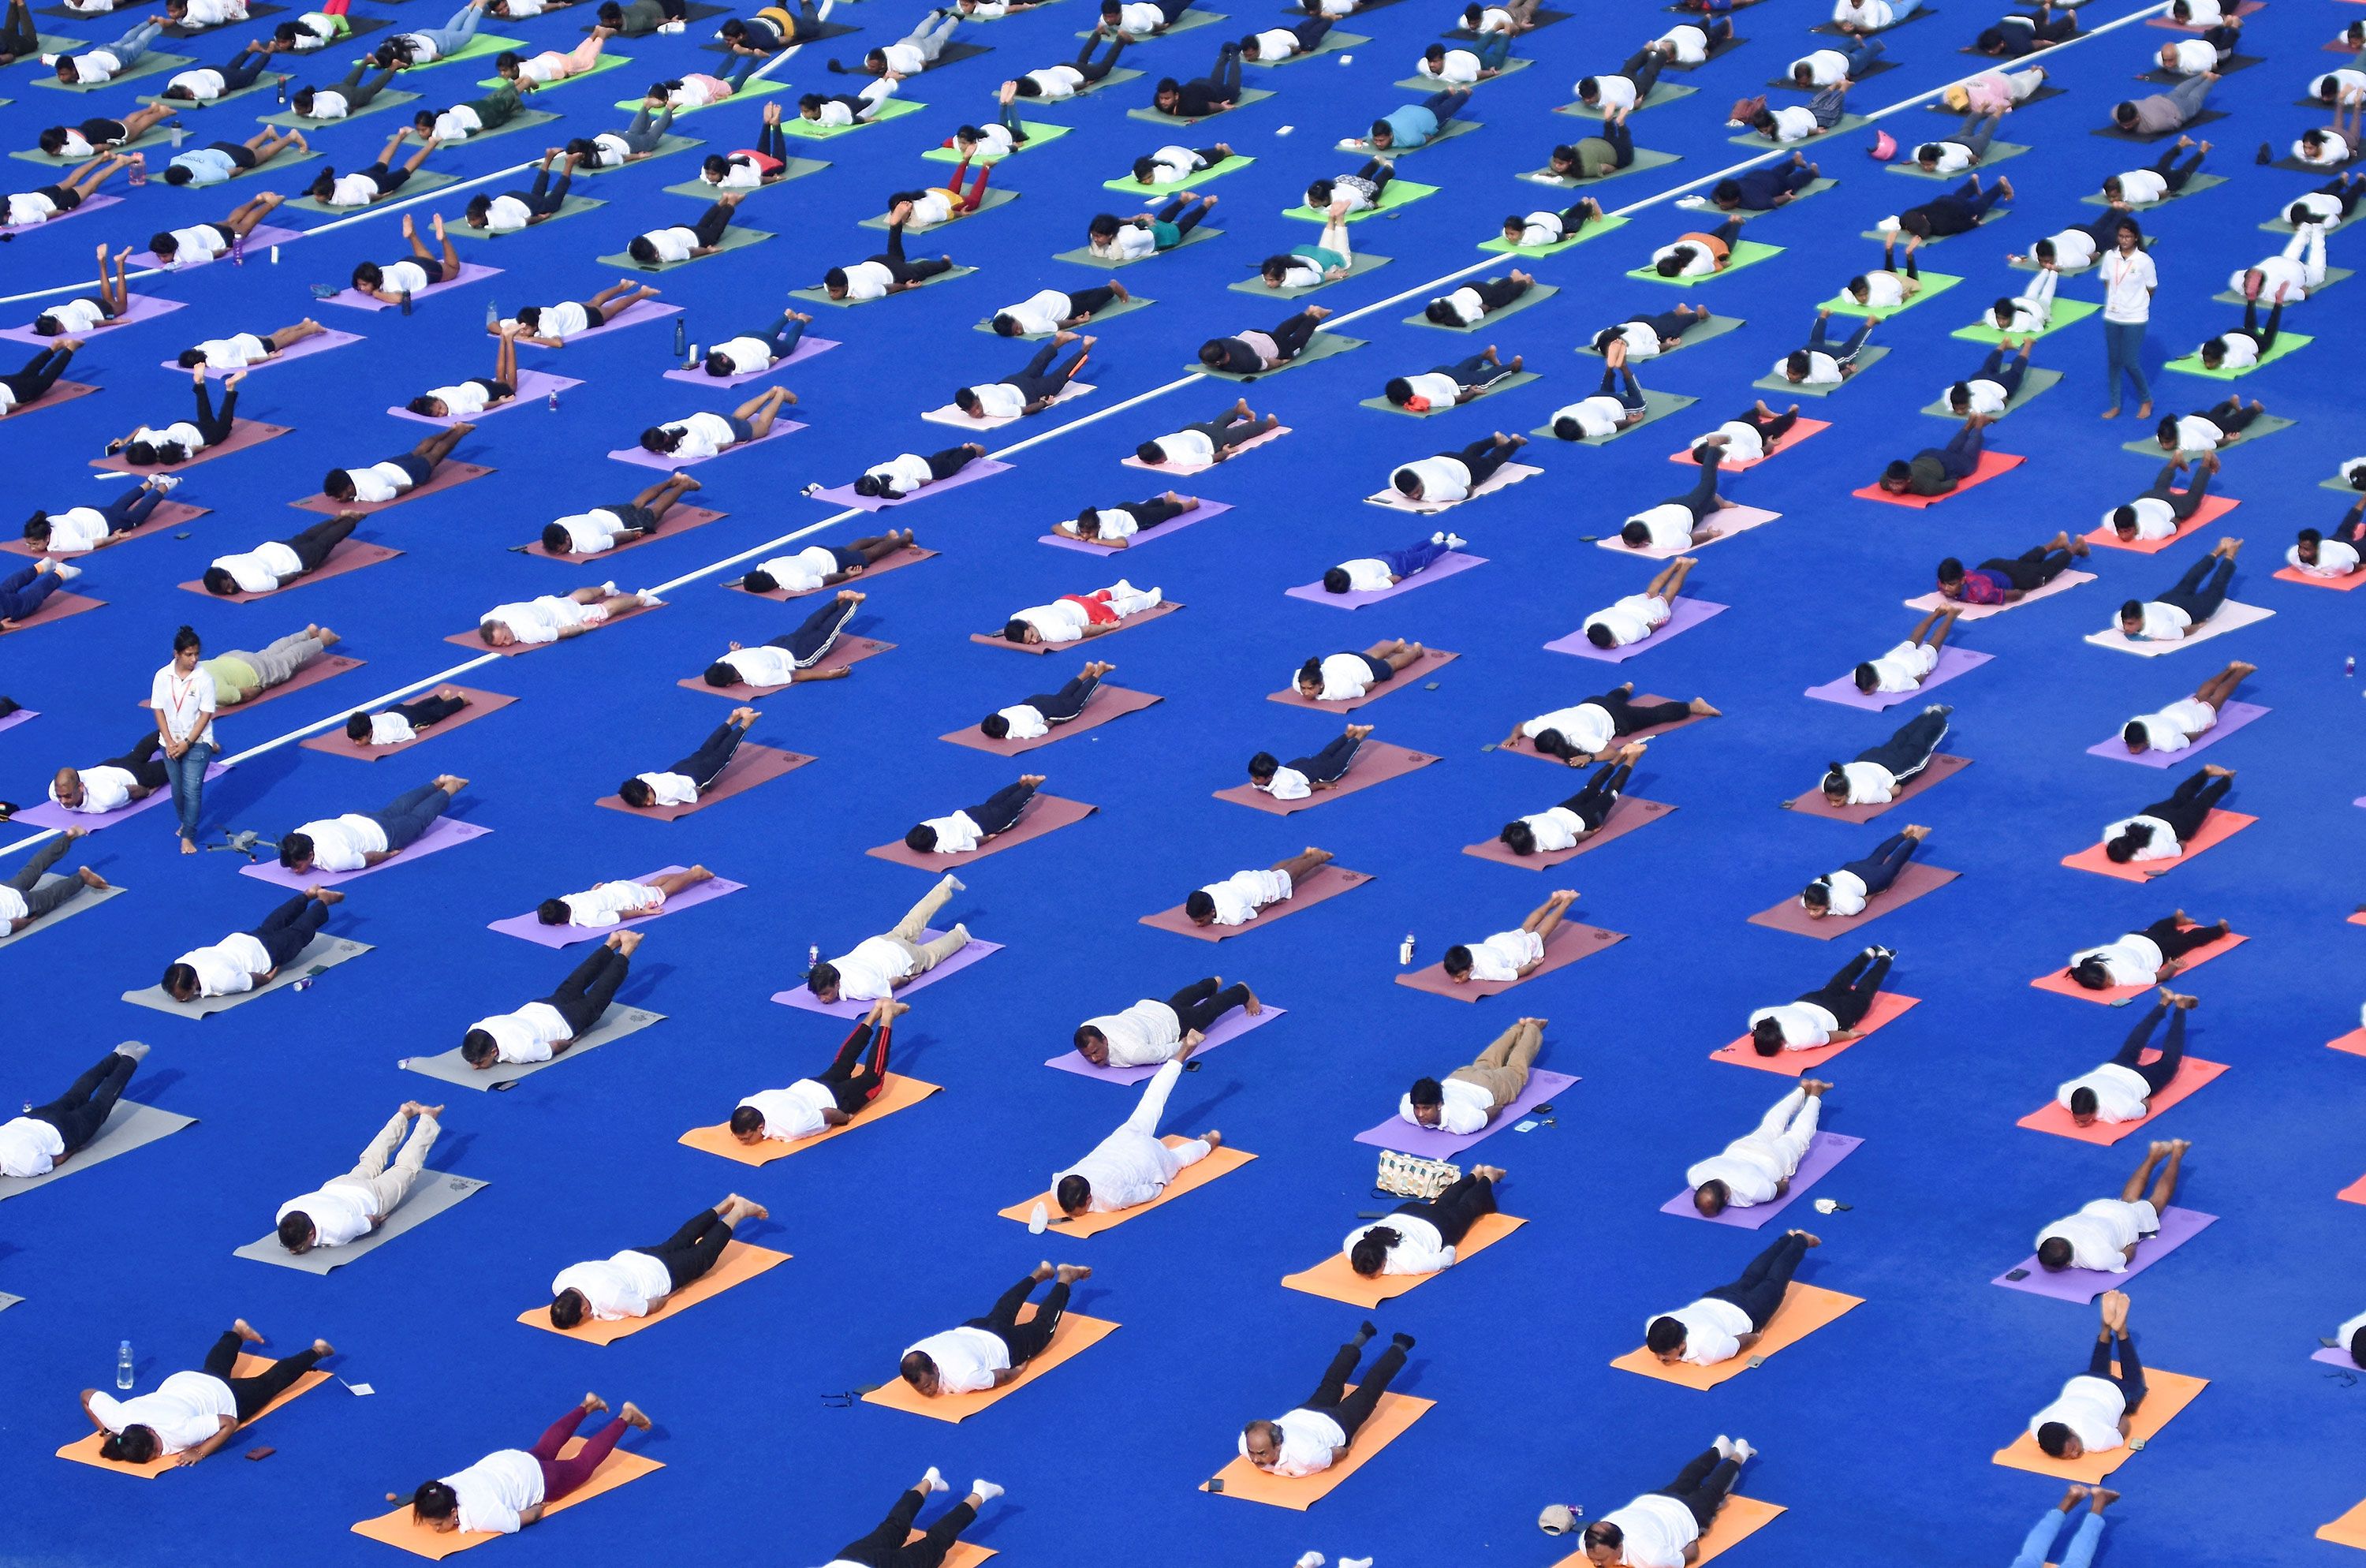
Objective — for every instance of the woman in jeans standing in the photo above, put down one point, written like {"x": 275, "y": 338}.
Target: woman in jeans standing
{"x": 2128, "y": 284}
{"x": 183, "y": 698}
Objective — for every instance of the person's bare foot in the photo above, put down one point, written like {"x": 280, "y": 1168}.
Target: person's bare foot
{"x": 1212, "y": 1138}
{"x": 627, "y": 941}
{"x": 246, "y": 1331}
{"x": 2072, "y": 1499}
{"x": 1069, "y": 1273}
{"x": 1358, "y": 731}
{"x": 89, "y": 877}
{"x": 188, "y": 847}
{"x": 889, "y": 1011}
{"x": 2102, "y": 1497}
{"x": 2217, "y": 770}
{"x": 1251, "y": 1006}
{"x": 1811, "y": 1240}
{"x": 635, "y": 1416}
{"x": 1040, "y": 1272}
{"x": 1701, "y": 708}
{"x": 1564, "y": 897}
{"x": 1099, "y": 667}
{"x": 1322, "y": 857}
{"x": 699, "y": 873}
{"x": 322, "y": 1348}
{"x": 1492, "y": 1172}
{"x": 1814, "y": 1088}
{"x": 1034, "y": 781}
{"x": 326, "y": 895}
{"x": 2143, "y": 410}
{"x": 592, "y": 1405}
{"x": 2111, "y": 413}
{"x": 450, "y": 784}
{"x": 1916, "y": 831}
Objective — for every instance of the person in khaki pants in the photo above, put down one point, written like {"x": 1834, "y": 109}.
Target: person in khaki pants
{"x": 351, "y": 1206}
{"x": 1470, "y": 1096}
{"x": 879, "y": 964}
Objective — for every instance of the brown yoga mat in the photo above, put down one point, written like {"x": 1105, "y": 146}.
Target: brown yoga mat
{"x": 1376, "y": 762}
{"x": 1570, "y": 942}
{"x": 1912, "y": 883}
{"x": 845, "y": 653}
{"x": 56, "y": 607}
{"x": 169, "y": 514}
{"x": 1523, "y": 747}
{"x": 996, "y": 640}
{"x": 313, "y": 674}
{"x": 243, "y": 434}
{"x": 1045, "y": 814}
{"x": 1327, "y": 881}
{"x": 1813, "y": 804}
{"x": 351, "y": 555}
{"x": 905, "y": 556}
{"x": 336, "y": 744}
{"x": 1431, "y": 661}
{"x": 1109, "y": 701}
{"x": 679, "y": 518}
{"x": 618, "y": 610}
{"x": 1630, "y": 814}
{"x": 445, "y": 478}
{"x": 750, "y": 766}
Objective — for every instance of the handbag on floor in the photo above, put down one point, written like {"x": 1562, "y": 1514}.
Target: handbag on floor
{"x": 1412, "y": 1176}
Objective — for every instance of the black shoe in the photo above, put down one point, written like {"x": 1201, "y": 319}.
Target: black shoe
{"x": 1365, "y": 1332}
{"x": 2267, "y": 154}
{"x": 1402, "y": 1341}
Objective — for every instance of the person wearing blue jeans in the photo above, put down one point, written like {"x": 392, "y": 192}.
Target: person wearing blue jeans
{"x": 120, "y": 515}
{"x": 343, "y": 843}
{"x": 225, "y": 969}
{"x": 1847, "y": 890}
{"x": 1300, "y": 776}
{"x": 1936, "y": 470}
{"x": 109, "y": 61}
{"x": 973, "y": 825}
{"x": 425, "y": 46}
{"x": 2038, "y": 1549}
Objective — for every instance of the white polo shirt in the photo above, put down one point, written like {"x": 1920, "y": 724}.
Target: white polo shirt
{"x": 966, "y": 1359}
{"x": 627, "y": 1285}
{"x": 526, "y": 1034}
{"x": 2120, "y": 1093}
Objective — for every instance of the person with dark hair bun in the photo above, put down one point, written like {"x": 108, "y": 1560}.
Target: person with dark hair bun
{"x": 1420, "y": 1237}
{"x": 190, "y": 1414}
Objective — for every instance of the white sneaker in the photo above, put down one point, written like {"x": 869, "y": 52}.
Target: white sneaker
{"x": 1724, "y": 1445}
{"x": 609, "y": 588}
{"x": 1699, "y": 201}
{"x": 1455, "y": 541}
{"x": 65, "y": 573}
{"x": 1743, "y": 1452}
{"x": 986, "y": 1490}
{"x": 648, "y": 598}
{"x": 164, "y": 484}
{"x": 1439, "y": 537}
{"x": 932, "y": 1481}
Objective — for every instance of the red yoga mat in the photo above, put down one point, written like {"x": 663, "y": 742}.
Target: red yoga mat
{"x": 2192, "y": 1074}
{"x": 1568, "y": 944}
{"x": 1109, "y": 701}
{"x": 2216, "y": 829}
{"x": 351, "y": 555}
{"x": 1045, "y": 814}
{"x": 1327, "y": 881}
{"x": 1376, "y": 762}
{"x": 750, "y": 766}
{"x": 1630, "y": 813}
{"x": 845, "y": 653}
{"x": 337, "y": 743}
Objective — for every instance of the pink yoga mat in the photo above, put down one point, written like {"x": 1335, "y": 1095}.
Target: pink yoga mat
{"x": 534, "y": 931}
{"x": 1109, "y": 701}
{"x": 470, "y": 272}
{"x": 2063, "y": 583}
{"x": 350, "y": 556}
{"x": 335, "y": 742}
{"x": 909, "y": 554}
{"x": 89, "y": 204}
{"x": 2178, "y": 1227}
{"x": 2231, "y": 717}
{"x": 22, "y": 716}
{"x": 679, "y": 518}
{"x": 1573, "y": 941}
{"x": 243, "y": 434}
{"x": 845, "y": 653}
{"x": 1682, "y": 616}
{"x": 49, "y": 814}
{"x": 1630, "y": 813}
{"x": 448, "y": 474}
{"x": 1045, "y": 814}
{"x": 473, "y": 639}
{"x": 804, "y": 1001}
{"x": 633, "y": 315}
{"x": 1446, "y": 566}
{"x": 1327, "y": 881}
{"x": 442, "y": 834}
{"x": 141, "y": 308}
{"x": 843, "y": 495}
{"x": 1825, "y": 1150}
{"x": 1952, "y": 662}
{"x": 996, "y": 640}
{"x": 319, "y": 342}
{"x": 1436, "y": 1143}
{"x": 1184, "y": 471}
{"x": 806, "y": 348}
{"x": 168, "y": 515}
{"x": 1813, "y": 804}
{"x": 1376, "y": 762}
{"x": 1431, "y": 661}
{"x": 1912, "y": 883}
{"x": 1230, "y": 1027}
{"x": 750, "y": 766}
{"x": 667, "y": 462}
{"x": 533, "y": 387}
{"x": 1201, "y": 513}
{"x": 259, "y": 240}
{"x": 1523, "y": 747}
{"x": 54, "y": 608}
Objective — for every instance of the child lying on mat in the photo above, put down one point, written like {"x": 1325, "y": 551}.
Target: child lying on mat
{"x": 1879, "y": 771}
{"x": 1512, "y": 955}
{"x": 909, "y": 471}
{"x": 1242, "y": 896}
{"x": 1562, "y": 827}
{"x": 510, "y": 1488}
{"x": 2097, "y": 1409}
{"x": 1680, "y": 522}
{"x": 1468, "y": 1099}
{"x": 1826, "y": 1016}
{"x": 1420, "y": 1237}
{"x": 1318, "y": 1434}
{"x": 1757, "y": 1167}
{"x": 2103, "y": 1236}
{"x": 2121, "y": 1088}
{"x": 1447, "y": 386}
{"x": 542, "y": 1031}
{"x": 1732, "y": 1318}
{"x": 605, "y": 904}
{"x": 636, "y": 1281}
{"x": 1131, "y": 1167}
{"x": 2183, "y": 722}
{"x": 1473, "y": 302}
{"x": 987, "y": 1352}
{"x": 182, "y": 439}
{"x": 552, "y": 325}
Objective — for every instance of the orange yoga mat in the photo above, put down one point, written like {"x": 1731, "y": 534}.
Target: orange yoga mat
{"x": 1805, "y": 1309}
{"x": 84, "y": 1451}
{"x": 1887, "y": 1007}
{"x": 396, "y": 1527}
{"x": 900, "y": 1093}
{"x": 1390, "y": 1419}
{"x": 1222, "y": 1162}
{"x": 2216, "y": 829}
{"x": 1078, "y": 1334}
{"x": 2212, "y": 508}
{"x": 2191, "y": 1075}
{"x": 2166, "y": 1394}
{"x": 2058, "y": 981}
{"x": 739, "y": 1263}
{"x": 1741, "y": 1519}
{"x": 1335, "y": 1280}
{"x": 2339, "y": 585}
{"x": 964, "y": 1554}
{"x": 2349, "y": 1530}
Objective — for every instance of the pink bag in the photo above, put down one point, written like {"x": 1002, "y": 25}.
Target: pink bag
{"x": 1884, "y": 148}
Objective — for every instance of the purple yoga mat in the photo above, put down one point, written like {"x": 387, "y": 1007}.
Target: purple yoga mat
{"x": 1682, "y": 616}
{"x": 533, "y": 387}
{"x": 632, "y": 315}
{"x": 143, "y": 308}
{"x": 49, "y": 814}
{"x": 442, "y": 834}
{"x": 534, "y": 931}
{"x": 1952, "y": 662}
{"x": 22, "y": 716}
{"x": 89, "y": 204}
{"x": 1447, "y": 565}
{"x": 667, "y": 462}
{"x": 2178, "y": 1227}
{"x": 843, "y": 495}
{"x": 1431, "y": 1143}
{"x": 1204, "y": 511}
{"x": 259, "y": 240}
{"x": 806, "y": 348}
{"x": 2231, "y": 717}
{"x": 2334, "y": 1356}
{"x": 1825, "y": 1150}
{"x": 1230, "y": 1027}
{"x": 470, "y": 272}
{"x": 319, "y": 342}
{"x": 799, "y": 997}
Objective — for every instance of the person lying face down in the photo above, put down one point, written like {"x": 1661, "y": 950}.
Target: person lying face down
{"x": 1879, "y": 771}
{"x": 1118, "y": 526}
{"x": 1420, "y": 1237}
{"x": 2178, "y": 726}
{"x": 2161, "y": 830}
{"x": 2103, "y": 1236}
{"x": 1730, "y": 1319}
{"x": 46, "y": 1136}
{"x": 1906, "y": 666}
{"x": 1315, "y": 1436}
{"x": 543, "y": 1031}
{"x": 987, "y": 1352}
{"x": 1559, "y": 828}
{"x": 1032, "y": 719}
{"x": 902, "y": 475}
{"x": 1242, "y": 896}
{"x": 2121, "y": 1088}
{"x": 2096, "y": 1410}
{"x": 965, "y": 830}
{"x": 606, "y": 904}
{"x": 243, "y": 960}
{"x": 1029, "y": 391}
{"x": 1075, "y": 617}
{"x": 1827, "y": 1015}
{"x": 193, "y": 1413}
{"x": 684, "y": 782}
{"x": 1210, "y": 441}
{"x": 794, "y": 657}
{"x": 824, "y": 566}
{"x": 360, "y": 839}
{"x": 401, "y": 723}
{"x": 1455, "y": 475}
{"x": 1512, "y": 955}
{"x": 511, "y": 1488}
{"x": 1846, "y": 892}
{"x": 810, "y": 1106}
{"x": 880, "y": 965}
{"x": 636, "y": 1281}
{"x": 1304, "y": 776}
{"x": 1152, "y": 1032}
{"x": 2315, "y": 554}
{"x": 1663, "y": 1526}
{"x": 1468, "y": 1097}
{"x": 1757, "y": 1167}
{"x": 2185, "y": 608}
{"x": 551, "y": 617}
{"x": 347, "y": 1208}
{"x": 1131, "y": 1167}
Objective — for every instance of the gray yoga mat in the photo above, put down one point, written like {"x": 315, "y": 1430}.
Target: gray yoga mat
{"x": 450, "y": 1068}
{"x": 324, "y": 953}
{"x": 434, "y": 1192}
{"x": 8, "y": 1301}
{"x": 88, "y": 899}
{"x": 128, "y": 1126}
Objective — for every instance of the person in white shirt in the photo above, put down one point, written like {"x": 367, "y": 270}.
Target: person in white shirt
{"x": 1346, "y": 677}
{"x": 1317, "y": 1435}
{"x": 1442, "y": 387}
{"x": 965, "y": 830}
{"x": 636, "y": 1281}
{"x": 1730, "y": 1319}
{"x": 244, "y": 959}
{"x": 182, "y": 697}
{"x": 1828, "y": 1015}
{"x": 2177, "y": 727}
{"x": 1757, "y": 1167}
{"x": 888, "y": 272}
{"x": 1846, "y": 892}
{"x": 1633, "y": 84}
{"x": 400, "y": 724}
{"x": 360, "y": 839}
{"x": 342, "y": 99}
{"x": 373, "y": 182}
{"x": 2313, "y": 553}
{"x": 1217, "y": 440}
{"x": 1420, "y": 1237}
{"x": 542, "y": 1031}
{"x": 276, "y": 563}
{"x": 549, "y": 618}
{"x": 552, "y": 325}
{"x": 1990, "y": 390}
{"x": 471, "y": 397}
{"x": 212, "y": 242}
{"x": 686, "y": 780}
{"x": 511, "y": 1488}
{"x": 606, "y": 904}
{"x": 1559, "y": 828}
{"x": 810, "y": 1106}
{"x": 2121, "y": 1088}
{"x": 2096, "y": 1411}
{"x": 933, "y": 206}
{"x": 109, "y": 61}
{"x": 2145, "y": 957}
{"x": 618, "y": 524}
{"x": 182, "y": 440}
{"x": 24, "y": 899}
{"x": 1961, "y": 151}
{"x": 1905, "y": 667}
{"x": 1118, "y": 526}
{"x": 878, "y": 966}
{"x": 883, "y": 1547}
{"x": 1152, "y": 1032}
{"x": 987, "y": 1352}
{"x": 191, "y": 1415}
{"x": 751, "y": 354}
{"x": 1887, "y": 289}
{"x": 2334, "y": 145}
{"x": 1240, "y": 898}
{"x": 2160, "y": 830}
{"x": 2103, "y": 1236}
{"x": 390, "y": 479}
{"x": 1131, "y": 1167}
{"x": 1821, "y": 363}
{"x": 792, "y": 658}
{"x": 2245, "y": 346}
{"x": 530, "y": 72}
{"x": 1302, "y": 777}
{"x": 27, "y": 208}
{"x": 517, "y": 210}
{"x": 2222, "y": 424}
{"x": 349, "y": 1207}
{"x": 1617, "y": 404}
{"x": 2351, "y": 1336}
{"x": 1473, "y": 302}
{"x": 1463, "y": 67}
{"x": 1033, "y": 718}
{"x": 696, "y": 437}
{"x": 46, "y": 1136}
{"x": 1662, "y": 1529}
{"x": 1681, "y": 520}
{"x": 395, "y": 281}
{"x": 1468, "y": 1099}
{"x": 1879, "y": 773}
{"x": 115, "y": 783}
{"x": 2180, "y": 611}
{"x": 817, "y": 567}
{"x": 908, "y": 472}
{"x": 101, "y": 133}
{"x": 1508, "y": 957}
{"x": 1586, "y": 732}
{"x": 914, "y": 52}
{"x": 2024, "y": 316}
{"x": 1030, "y": 391}
{"x": 2291, "y": 273}
{"x": 1075, "y": 617}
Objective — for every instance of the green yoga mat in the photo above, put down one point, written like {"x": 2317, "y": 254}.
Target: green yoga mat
{"x": 2031, "y": 383}
{"x": 2266, "y": 425}
{"x": 1038, "y": 133}
{"x": 791, "y": 169}
{"x": 2067, "y": 312}
{"x": 818, "y": 296}
{"x": 987, "y": 203}
{"x": 1646, "y": 159}
{"x": 2286, "y": 342}
{"x": 1846, "y": 123}
{"x": 1084, "y": 256}
{"x": 525, "y": 119}
{"x": 1991, "y": 216}
{"x": 1745, "y": 252}
{"x": 159, "y": 137}
{"x": 1394, "y": 195}
{"x": 289, "y": 120}
{"x": 1934, "y": 285}
{"x": 1816, "y": 186}
{"x": 600, "y": 67}
{"x": 733, "y": 239}
{"x": 1657, "y": 406}
{"x": 484, "y": 45}
{"x": 422, "y": 181}
{"x": 1356, "y": 268}
{"x": 1998, "y": 152}
{"x": 1501, "y": 384}
{"x": 1866, "y": 358}
{"x": 1322, "y": 345}
{"x": 1429, "y": 84}
{"x": 814, "y": 131}
{"x": 1661, "y": 93}
{"x": 667, "y": 145}
{"x": 147, "y": 66}
{"x": 1189, "y": 21}
{"x": 1114, "y": 308}
{"x": 1537, "y": 294}
{"x": 568, "y": 208}
{"x": 1217, "y": 170}
{"x": 1715, "y": 327}
{"x": 1160, "y": 117}
{"x": 2198, "y": 183}
{"x": 1500, "y": 246}
{"x": 2333, "y": 275}
{"x": 2339, "y": 483}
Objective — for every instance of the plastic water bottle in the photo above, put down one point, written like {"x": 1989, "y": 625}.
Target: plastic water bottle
{"x": 123, "y": 1366}
{"x": 492, "y": 316}
{"x": 2350, "y": 665}
{"x": 238, "y": 250}
{"x": 554, "y": 400}
{"x": 681, "y": 338}
{"x": 813, "y": 957}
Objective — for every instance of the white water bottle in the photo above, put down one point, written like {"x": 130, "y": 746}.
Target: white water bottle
{"x": 123, "y": 1366}
{"x": 1404, "y": 950}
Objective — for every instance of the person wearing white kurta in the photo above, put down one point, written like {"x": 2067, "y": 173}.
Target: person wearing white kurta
{"x": 1152, "y": 1032}
{"x": 1317, "y": 1435}
{"x": 542, "y": 1031}
{"x": 1242, "y": 896}
{"x": 606, "y": 904}
{"x": 1075, "y": 617}
{"x": 347, "y": 1208}
{"x": 1346, "y": 677}
{"x": 2121, "y": 1088}
{"x": 1757, "y": 1167}
{"x": 1662, "y": 1529}
{"x": 1132, "y": 1165}
{"x": 1510, "y": 957}
{"x": 553, "y": 618}
{"x": 2103, "y": 1236}
{"x": 2095, "y": 1412}
{"x": 46, "y": 1136}
{"x": 2178, "y": 726}
{"x": 879, "y": 964}
{"x": 1422, "y": 1237}
{"x": 1588, "y": 731}
{"x": 812, "y": 1106}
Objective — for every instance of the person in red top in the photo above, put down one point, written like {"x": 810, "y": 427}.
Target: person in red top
{"x": 2001, "y": 580}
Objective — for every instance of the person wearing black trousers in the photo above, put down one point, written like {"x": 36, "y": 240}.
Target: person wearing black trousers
{"x": 516, "y": 209}
{"x": 1826, "y": 1016}
{"x": 1880, "y": 771}
{"x": 1032, "y": 719}
{"x": 636, "y": 1281}
{"x": 1304, "y": 776}
{"x": 1455, "y": 475}
{"x": 886, "y": 1548}
{"x": 1557, "y": 828}
{"x": 967, "y": 829}
{"x": 2121, "y": 1088}
{"x": 341, "y": 99}
{"x": 987, "y": 1352}
{"x": 542, "y": 1031}
{"x": 790, "y": 660}
{"x": 1246, "y": 353}
{"x": 1030, "y": 391}
{"x": 1473, "y": 302}
{"x": 685, "y": 781}
{"x": 1318, "y": 1434}
{"x": 22, "y": 898}
{"x": 1116, "y": 527}
{"x": 228, "y": 966}
{"x": 266, "y": 568}
{"x": 1219, "y": 90}
{"x": 2161, "y": 830}
{"x": 1557, "y": 733}
{"x": 31, "y": 384}
{"x": 46, "y": 1136}
{"x": 704, "y": 237}
{"x": 2163, "y": 509}
{"x": 2145, "y": 958}
{"x": 392, "y": 725}
{"x": 1420, "y": 1237}
{"x": 2185, "y": 608}
{"x": 181, "y": 1409}
{"x": 2248, "y": 344}
{"x": 1209, "y": 440}
{"x": 1732, "y": 1318}
{"x": 887, "y": 273}
{"x": 1152, "y": 1032}
{"x": 2096, "y": 1409}
{"x": 1668, "y": 1522}
{"x": 146, "y": 448}
{"x": 1849, "y": 889}
{"x": 811, "y": 1106}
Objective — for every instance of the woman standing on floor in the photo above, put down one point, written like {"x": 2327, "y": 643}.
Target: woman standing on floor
{"x": 183, "y": 697}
